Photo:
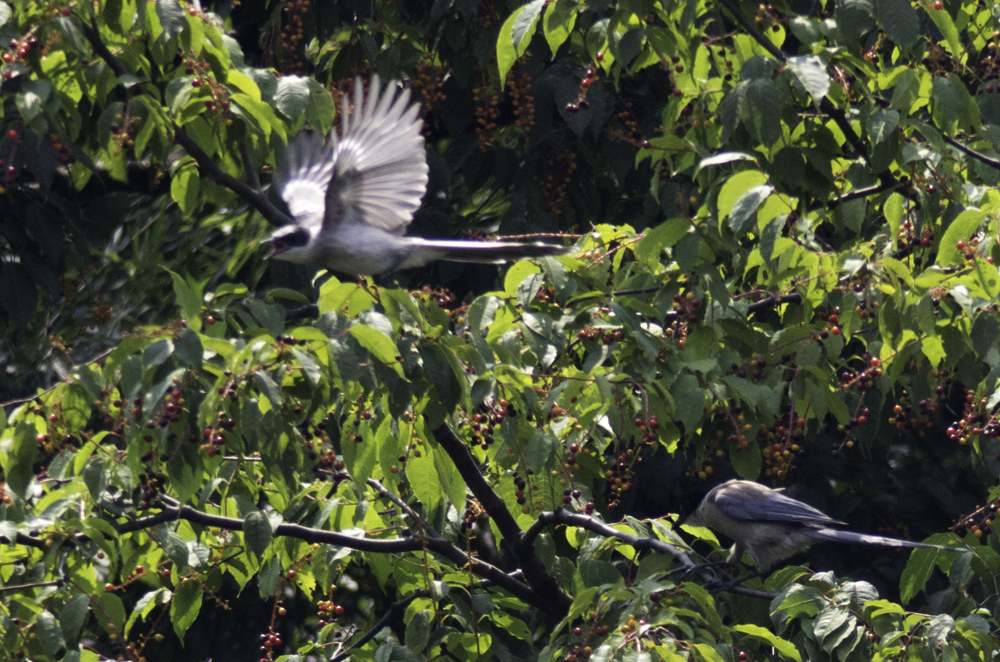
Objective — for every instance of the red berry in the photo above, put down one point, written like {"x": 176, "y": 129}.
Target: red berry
{"x": 939, "y": 5}
{"x": 12, "y": 134}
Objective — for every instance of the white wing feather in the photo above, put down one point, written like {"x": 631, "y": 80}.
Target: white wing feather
{"x": 304, "y": 176}
{"x": 379, "y": 161}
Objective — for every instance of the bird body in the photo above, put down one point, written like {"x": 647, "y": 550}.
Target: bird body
{"x": 353, "y": 196}
{"x": 772, "y": 527}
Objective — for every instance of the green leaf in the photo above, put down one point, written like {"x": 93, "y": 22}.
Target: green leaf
{"x": 185, "y": 606}
{"x": 245, "y": 84}
{"x": 762, "y": 112}
{"x": 735, "y": 187}
{"x": 49, "y": 634}
{"x": 19, "y": 458}
{"x": 257, "y": 532}
{"x": 948, "y": 104}
{"x": 960, "y": 229}
{"x": 882, "y": 124}
{"x": 72, "y": 617}
{"x": 811, "y": 72}
{"x": 942, "y": 19}
{"x": 189, "y": 299}
{"x": 292, "y": 96}
{"x": 741, "y": 219}
{"x": 854, "y": 18}
{"x": 418, "y": 632}
{"x": 381, "y": 346}
{"x": 171, "y": 17}
{"x": 515, "y": 35}
{"x": 783, "y": 646}
{"x": 558, "y": 23}
{"x": 185, "y": 186}
{"x": 899, "y": 20}
{"x": 422, "y": 477}
{"x": 31, "y": 99}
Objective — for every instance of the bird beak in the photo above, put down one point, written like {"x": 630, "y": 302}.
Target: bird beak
{"x": 274, "y": 247}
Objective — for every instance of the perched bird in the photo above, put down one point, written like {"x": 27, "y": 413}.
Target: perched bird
{"x": 353, "y": 196}
{"x": 772, "y": 527}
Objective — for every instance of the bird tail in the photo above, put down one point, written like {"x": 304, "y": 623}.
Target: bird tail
{"x": 836, "y": 535}
{"x": 483, "y": 252}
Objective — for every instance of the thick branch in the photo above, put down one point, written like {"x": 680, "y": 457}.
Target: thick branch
{"x": 439, "y": 546}
{"x": 773, "y": 300}
{"x": 205, "y": 163}
{"x": 405, "y": 507}
{"x": 535, "y": 573}
{"x": 563, "y": 516}
{"x": 253, "y": 196}
{"x": 982, "y": 158}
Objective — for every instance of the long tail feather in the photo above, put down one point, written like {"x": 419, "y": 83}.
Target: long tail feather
{"x": 483, "y": 252}
{"x": 837, "y": 535}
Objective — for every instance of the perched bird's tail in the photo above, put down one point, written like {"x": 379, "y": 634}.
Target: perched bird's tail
{"x": 837, "y": 535}
{"x": 423, "y": 251}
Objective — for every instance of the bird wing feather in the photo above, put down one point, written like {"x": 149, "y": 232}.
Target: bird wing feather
{"x": 775, "y": 508}
{"x": 380, "y": 166}
{"x": 304, "y": 176}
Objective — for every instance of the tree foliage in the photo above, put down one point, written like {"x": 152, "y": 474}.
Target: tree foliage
{"x": 786, "y": 220}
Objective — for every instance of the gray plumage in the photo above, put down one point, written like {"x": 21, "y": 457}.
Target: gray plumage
{"x": 772, "y": 527}
{"x": 353, "y": 196}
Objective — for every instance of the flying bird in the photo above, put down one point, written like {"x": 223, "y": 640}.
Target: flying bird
{"x": 772, "y": 527}
{"x": 353, "y": 196}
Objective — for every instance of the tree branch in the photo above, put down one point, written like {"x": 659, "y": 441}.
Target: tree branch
{"x": 563, "y": 516}
{"x": 982, "y": 158}
{"x": 535, "y": 573}
{"x": 206, "y": 165}
{"x": 440, "y": 546}
{"x": 405, "y": 507}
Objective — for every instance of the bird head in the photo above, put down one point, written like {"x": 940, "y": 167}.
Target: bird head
{"x": 291, "y": 242}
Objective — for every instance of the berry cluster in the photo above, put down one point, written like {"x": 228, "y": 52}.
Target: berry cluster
{"x": 974, "y": 421}
{"x": 980, "y": 522}
{"x": 681, "y": 317}
{"x": 519, "y": 88}
{"x": 429, "y": 81}
{"x": 559, "y": 170}
{"x": 16, "y": 59}
{"x": 328, "y": 610}
{"x": 201, "y": 70}
{"x": 581, "y": 103}
{"x": 487, "y": 419}
{"x": 970, "y": 249}
{"x": 768, "y": 16}
{"x": 487, "y": 114}
{"x": 526, "y": 491}
{"x": 65, "y": 154}
{"x": 268, "y": 642}
{"x": 293, "y": 34}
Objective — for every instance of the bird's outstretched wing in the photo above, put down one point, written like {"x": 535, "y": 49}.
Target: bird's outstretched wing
{"x": 380, "y": 166}
{"x": 743, "y": 502}
{"x": 304, "y": 176}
